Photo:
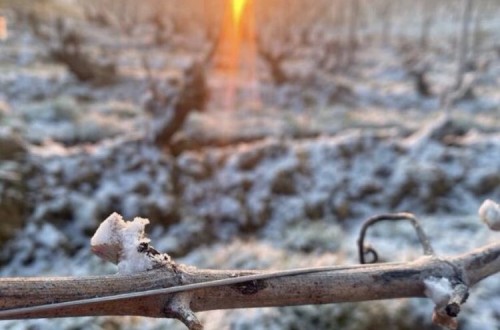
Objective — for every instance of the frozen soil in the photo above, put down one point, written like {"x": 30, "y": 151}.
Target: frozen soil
{"x": 274, "y": 203}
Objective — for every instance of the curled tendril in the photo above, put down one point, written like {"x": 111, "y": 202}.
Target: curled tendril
{"x": 368, "y": 249}
{"x": 364, "y": 249}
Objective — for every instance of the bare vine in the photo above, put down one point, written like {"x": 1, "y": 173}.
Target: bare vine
{"x": 171, "y": 290}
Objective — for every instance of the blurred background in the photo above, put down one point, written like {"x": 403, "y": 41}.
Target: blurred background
{"x": 253, "y": 134}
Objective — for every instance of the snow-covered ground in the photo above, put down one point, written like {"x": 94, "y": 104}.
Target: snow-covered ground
{"x": 282, "y": 186}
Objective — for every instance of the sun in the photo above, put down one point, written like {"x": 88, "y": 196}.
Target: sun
{"x": 235, "y": 56}
{"x": 238, "y": 6}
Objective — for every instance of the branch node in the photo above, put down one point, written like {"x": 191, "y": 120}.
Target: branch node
{"x": 458, "y": 297}
{"x": 179, "y": 308}
{"x": 365, "y": 249}
{"x": 448, "y": 300}
{"x": 452, "y": 309}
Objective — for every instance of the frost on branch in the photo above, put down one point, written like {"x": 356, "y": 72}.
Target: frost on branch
{"x": 438, "y": 289}
{"x": 489, "y": 212}
{"x": 124, "y": 243}
{"x": 448, "y": 298}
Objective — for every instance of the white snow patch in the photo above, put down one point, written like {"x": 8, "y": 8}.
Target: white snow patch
{"x": 438, "y": 289}
{"x": 49, "y": 236}
{"x": 490, "y": 214}
{"x": 117, "y": 241}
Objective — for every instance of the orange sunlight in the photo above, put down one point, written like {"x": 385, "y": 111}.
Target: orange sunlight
{"x": 3, "y": 28}
{"x": 236, "y": 54}
{"x": 238, "y": 6}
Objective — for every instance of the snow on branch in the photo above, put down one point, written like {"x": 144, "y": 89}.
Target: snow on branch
{"x": 490, "y": 214}
{"x": 149, "y": 283}
{"x": 123, "y": 243}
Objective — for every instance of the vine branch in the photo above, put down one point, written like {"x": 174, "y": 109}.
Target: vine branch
{"x": 178, "y": 291}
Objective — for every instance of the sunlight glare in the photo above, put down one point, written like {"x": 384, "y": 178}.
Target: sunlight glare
{"x": 238, "y": 6}
{"x": 236, "y": 55}
{"x": 3, "y": 28}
